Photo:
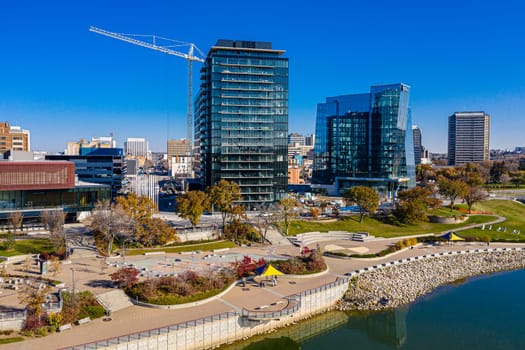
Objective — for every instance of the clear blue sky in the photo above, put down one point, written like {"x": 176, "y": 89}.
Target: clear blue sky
{"x": 63, "y": 82}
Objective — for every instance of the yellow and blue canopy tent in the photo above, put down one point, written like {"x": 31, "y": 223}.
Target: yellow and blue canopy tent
{"x": 452, "y": 237}
{"x": 268, "y": 270}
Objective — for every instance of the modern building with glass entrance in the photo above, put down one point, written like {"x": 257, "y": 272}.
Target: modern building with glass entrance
{"x": 365, "y": 140}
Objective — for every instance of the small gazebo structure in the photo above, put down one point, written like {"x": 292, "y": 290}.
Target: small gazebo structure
{"x": 267, "y": 271}
{"x": 452, "y": 237}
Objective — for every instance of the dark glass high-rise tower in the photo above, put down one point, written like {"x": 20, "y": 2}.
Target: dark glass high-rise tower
{"x": 241, "y": 119}
{"x": 365, "y": 139}
{"x": 418, "y": 147}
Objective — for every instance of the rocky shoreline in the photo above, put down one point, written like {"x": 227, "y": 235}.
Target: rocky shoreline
{"x": 400, "y": 284}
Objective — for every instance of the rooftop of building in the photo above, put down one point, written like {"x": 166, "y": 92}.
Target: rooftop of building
{"x": 244, "y": 45}
{"x": 6, "y": 162}
{"x": 469, "y": 113}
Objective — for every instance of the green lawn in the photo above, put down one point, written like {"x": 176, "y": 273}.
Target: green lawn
{"x": 515, "y": 214}
{"x": 11, "y": 340}
{"x": 184, "y": 248}
{"x": 381, "y": 229}
{"x": 28, "y": 246}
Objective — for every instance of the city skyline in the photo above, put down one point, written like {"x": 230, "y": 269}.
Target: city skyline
{"x": 62, "y": 82}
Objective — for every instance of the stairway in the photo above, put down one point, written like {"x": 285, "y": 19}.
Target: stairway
{"x": 114, "y": 300}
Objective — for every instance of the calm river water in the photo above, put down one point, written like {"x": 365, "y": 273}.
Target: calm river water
{"x": 485, "y": 312}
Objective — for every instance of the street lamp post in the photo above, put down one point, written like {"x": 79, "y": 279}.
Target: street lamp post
{"x": 124, "y": 251}
{"x": 73, "y": 283}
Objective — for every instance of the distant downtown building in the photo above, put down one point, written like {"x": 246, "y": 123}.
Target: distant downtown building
{"x": 296, "y": 139}
{"x": 136, "y": 147}
{"x": 13, "y": 138}
{"x": 73, "y": 148}
{"x": 468, "y": 137}
{"x": 104, "y": 166}
{"x": 365, "y": 140}
{"x": 179, "y": 159}
{"x": 418, "y": 147}
{"x": 241, "y": 119}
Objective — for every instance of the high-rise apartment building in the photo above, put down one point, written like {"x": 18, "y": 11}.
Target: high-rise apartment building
{"x": 418, "y": 147}
{"x": 241, "y": 119}
{"x": 136, "y": 147}
{"x": 14, "y": 138}
{"x": 365, "y": 140}
{"x": 468, "y": 137}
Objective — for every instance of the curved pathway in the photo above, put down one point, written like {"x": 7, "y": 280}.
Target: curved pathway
{"x": 136, "y": 319}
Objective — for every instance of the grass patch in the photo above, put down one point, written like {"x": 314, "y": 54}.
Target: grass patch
{"x": 445, "y": 212}
{"x": 28, "y": 246}
{"x": 382, "y": 227}
{"x": 515, "y": 220}
{"x": 185, "y": 248}
{"x": 11, "y": 340}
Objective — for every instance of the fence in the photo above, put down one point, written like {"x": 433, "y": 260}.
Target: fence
{"x": 10, "y": 320}
{"x": 229, "y": 319}
{"x": 12, "y": 315}
{"x": 152, "y": 332}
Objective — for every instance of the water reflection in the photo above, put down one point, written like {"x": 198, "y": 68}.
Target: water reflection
{"x": 282, "y": 343}
{"x": 388, "y": 327}
{"x": 465, "y": 316}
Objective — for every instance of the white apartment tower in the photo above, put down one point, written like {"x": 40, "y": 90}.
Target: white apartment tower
{"x": 136, "y": 147}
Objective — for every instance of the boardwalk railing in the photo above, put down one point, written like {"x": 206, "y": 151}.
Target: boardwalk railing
{"x": 175, "y": 327}
{"x": 151, "y": 332}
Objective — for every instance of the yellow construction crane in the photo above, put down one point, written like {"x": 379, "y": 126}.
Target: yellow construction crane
{"x": 194, "y": 54}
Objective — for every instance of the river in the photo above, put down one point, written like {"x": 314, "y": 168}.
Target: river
{"x": 484, "y": 312}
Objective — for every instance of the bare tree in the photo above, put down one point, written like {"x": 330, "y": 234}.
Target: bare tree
{"x": 108, "y": 221}
{"x": 3, "y": 270}
{"x": 55, "y": 265}
{"x": 53, "y": 221}
{"x": 15, "y": 220}
{"x": 28, "y": 262}
{"x": 286, "y": 212}
{"x": 264, "y": 219}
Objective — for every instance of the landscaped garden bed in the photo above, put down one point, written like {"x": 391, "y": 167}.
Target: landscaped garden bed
{"x": 171, "y": 290}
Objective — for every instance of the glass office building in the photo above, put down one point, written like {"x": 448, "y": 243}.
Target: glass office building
{"x": 365, "y": 140}
{"x": 241, "y": 119}
{"x": 104, "y": 166}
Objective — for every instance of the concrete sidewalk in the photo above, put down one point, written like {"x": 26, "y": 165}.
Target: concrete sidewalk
{"x": 136, "y": 319}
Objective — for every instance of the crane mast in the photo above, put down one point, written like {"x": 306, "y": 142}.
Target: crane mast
{"x": 189, "y": 57}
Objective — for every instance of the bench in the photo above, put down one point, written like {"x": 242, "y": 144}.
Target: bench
{"x": 84, "y": 320}
{"x": 64, "y": 327}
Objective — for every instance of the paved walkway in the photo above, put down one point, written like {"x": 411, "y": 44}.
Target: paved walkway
{"x": 135, "y": 319}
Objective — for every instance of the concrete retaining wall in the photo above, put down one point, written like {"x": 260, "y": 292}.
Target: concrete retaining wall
{"x": 12, "y": 320}
{"x": 447, "y": 219}
{"x": 224, "y": 328}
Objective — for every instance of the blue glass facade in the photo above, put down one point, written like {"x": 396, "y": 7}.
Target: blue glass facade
{"x": 241, "y": 119}
{"x": 365, "y": 139}
{"x": 104, "y": 166}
